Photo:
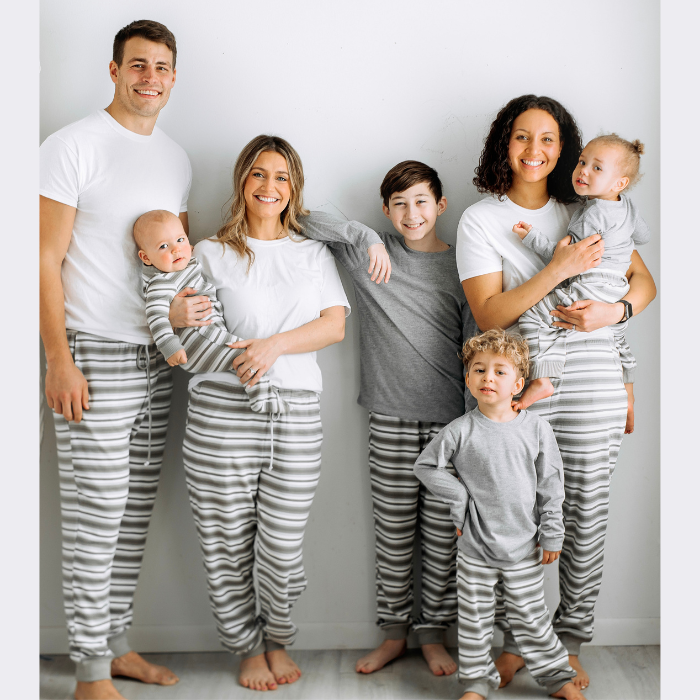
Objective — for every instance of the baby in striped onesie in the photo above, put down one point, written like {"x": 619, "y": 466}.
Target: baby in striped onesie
{"x": 168, "y": 268}
{"x": 506, "y": 505}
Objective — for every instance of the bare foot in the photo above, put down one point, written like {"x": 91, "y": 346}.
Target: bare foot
{"x": 133, "y": 665}
{"x": 439, "y": 661}
{"x": 570, "y": 692}
{"x": 472, "y": 696}
{"x": 282, "y": 666}
{"x": 508, "y": 665}
{"x": 537, "y": 389}
{"x": 97, "y": 690}
{"x": 582, "y": 680}
{"x": 256, "y": 675}
{"x": 387, "y": 651}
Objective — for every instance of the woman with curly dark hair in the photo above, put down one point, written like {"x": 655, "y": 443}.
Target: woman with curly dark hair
{"x": 526, "y": 166}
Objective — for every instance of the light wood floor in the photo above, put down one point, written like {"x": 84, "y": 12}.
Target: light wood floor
{"x": 618, "y": 673}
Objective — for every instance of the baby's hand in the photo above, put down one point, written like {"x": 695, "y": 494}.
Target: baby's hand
{"x": 522, "y": 229}
{"x": 459, "y": 532}
{"x": 548, "y": 557}
{"x": 178, "y": 358}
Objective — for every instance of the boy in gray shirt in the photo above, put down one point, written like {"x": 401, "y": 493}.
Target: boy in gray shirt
{"x": 412, "y": 383}
{"x": 506, "y": 506}
{"x": 608, "y": 165}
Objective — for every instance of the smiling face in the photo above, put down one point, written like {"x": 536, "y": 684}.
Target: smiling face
{"x": 534, "y": 146}
{"x": 267, "y": 188}
{"x": 163, "y": 242}
{"x": 414, "y": 212}
{"x": 493, "y": 380}
{"x": 598, "y": 174}
{"x": 145, "y": 77}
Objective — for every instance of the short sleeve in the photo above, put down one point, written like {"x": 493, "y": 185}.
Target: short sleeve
{"x": 476, "y": 254}
{"x": 59, "y": 172}
{"x": 186, "y": 193}
{"x": 332, "y": 292}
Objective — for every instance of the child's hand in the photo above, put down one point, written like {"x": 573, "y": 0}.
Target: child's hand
{"x": 459, "y": 532}
{"x": 379, "y": 263}
{"x": 548, "y": 557}
{"x": 178, "y": 358}
{"x": 522, "y": 229}
{"x": 629, "y": 425}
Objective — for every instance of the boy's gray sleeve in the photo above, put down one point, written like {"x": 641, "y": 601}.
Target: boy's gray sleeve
{"x": 550, "y": 490}
{"x": 159, "y": 294}
{"x": 469, "y": 330}
{"x": 537, "y": 241}
{"x": 348, "y": 240}
{"x": 430, "y": 469}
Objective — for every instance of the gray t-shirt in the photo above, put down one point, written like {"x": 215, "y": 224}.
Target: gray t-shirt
{"x": 619, "y": 223}
{"x": 411, "y": 329}
{"x": 511, "y": 481}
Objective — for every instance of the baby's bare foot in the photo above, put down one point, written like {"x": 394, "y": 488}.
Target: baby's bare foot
{"x": 97, "y": 690}
{"x": 508, "y": 665}
{"x": 570, "y": 692}
{"x": 133, "y": 665}
{"x": 538, "y": 389}
{"x": 282, "y": 666}
{"x": 387, "y": 651}
{"x": 439, "y": 661}
{"x": 472, "y": 696}
{"x": 256, "y": 674}
{"x": 582, "y": 680}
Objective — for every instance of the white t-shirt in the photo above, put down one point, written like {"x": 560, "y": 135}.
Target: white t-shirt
{"x": 486, "y": 242}
{"x": 112, "y": 176}
{"x": 288, "y": 285}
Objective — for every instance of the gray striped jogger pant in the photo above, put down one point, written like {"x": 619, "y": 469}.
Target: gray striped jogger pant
{"x": 109, "y": 465}
{"x": 523, "y": 593}
{"x": 587, "y": 413}
{"x": 547, "y": 343}
{"x": 399, "y": 501}
{"x": 250, "y": 511}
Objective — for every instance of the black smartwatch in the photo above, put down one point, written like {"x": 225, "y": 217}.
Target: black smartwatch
{"x": 628, "y": 311}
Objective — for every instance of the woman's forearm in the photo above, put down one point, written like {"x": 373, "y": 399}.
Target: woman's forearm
{"x": 315, "y": 335}
{"x": 642, "y": 287}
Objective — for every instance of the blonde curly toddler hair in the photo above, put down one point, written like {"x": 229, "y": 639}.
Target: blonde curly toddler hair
{"x": 497, "y": 341}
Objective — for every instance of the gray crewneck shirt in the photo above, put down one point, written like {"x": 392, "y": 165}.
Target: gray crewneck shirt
{"x": 411, "y": 329}
{"x": 619, "y": 223}
{"x": 511, "y": 483}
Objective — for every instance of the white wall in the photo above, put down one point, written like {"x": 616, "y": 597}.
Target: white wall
{"x": 357, "y": 87}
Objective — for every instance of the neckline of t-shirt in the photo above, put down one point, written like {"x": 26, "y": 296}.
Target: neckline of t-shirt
{"x": 123, "y": 131}
{"x": 487, "y": 421}
{"x": 530, "y": 212}
{"x": 259, "y": 243}
{"x": 410, "y": 251}
{"x": 605, "y": 202}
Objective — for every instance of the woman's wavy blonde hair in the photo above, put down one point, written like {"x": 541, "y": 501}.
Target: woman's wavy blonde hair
{"x": 234, "y": 231}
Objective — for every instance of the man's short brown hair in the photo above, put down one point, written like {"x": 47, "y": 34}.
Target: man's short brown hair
{"x": 405, "y": 175}
{"x": 148, "y": 29}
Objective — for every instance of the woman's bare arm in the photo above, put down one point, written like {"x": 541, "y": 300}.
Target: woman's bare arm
{"x": 262, "y": 353}
{"x": 492, "y": 307}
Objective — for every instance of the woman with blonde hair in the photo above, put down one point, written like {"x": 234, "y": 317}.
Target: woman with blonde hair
{"x": 251, "y": 476}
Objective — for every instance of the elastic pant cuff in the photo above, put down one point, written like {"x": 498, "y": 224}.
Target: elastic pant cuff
{"x": 548, "y": 368}
{"x": 95, "y": 669}
{"x": 558, "y": 685}
{"x": 572, "y": 644}
{"x": 480, "y": 686}
{"x": 119, "y": 644}
{"x": 395, "y": 631}
{"x": 255, "y": 651}
{"x": 271, "y": 645}
{"x": 430, "y": 635}
{"x": 509, "y": 644}
{"x": 628, "y": 375}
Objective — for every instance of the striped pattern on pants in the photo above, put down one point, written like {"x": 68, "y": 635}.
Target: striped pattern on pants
{"x": 399, "y": 501}
{"x": 108, "y": 488}
{"x": 587, "y": 413}
{"x": 547, "y": 343}
{"x": 523, "y": 589}
{"x": 248, "y": 511}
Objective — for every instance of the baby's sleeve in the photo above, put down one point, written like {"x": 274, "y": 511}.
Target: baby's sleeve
{"x": 158, "y": 297}
{"x": 641, "y": 234}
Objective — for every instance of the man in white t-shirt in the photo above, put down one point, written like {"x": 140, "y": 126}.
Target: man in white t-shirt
{"x": 107, "y": 384}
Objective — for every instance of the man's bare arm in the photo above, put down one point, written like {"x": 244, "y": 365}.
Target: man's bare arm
{"x": 66, "y": 387}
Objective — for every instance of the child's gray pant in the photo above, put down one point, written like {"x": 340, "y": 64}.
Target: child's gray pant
{"x": 108, "y": 488}
{"x": 523, "y": 588}
{"x": 400, "y": 501}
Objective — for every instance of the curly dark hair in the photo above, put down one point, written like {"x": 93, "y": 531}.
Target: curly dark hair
{"x": 493, "y": 174}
